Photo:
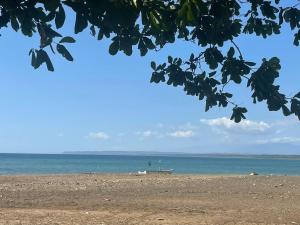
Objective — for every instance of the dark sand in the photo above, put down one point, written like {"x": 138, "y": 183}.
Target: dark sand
{"x": 149, "y": 199}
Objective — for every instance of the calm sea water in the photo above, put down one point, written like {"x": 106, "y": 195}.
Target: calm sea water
{"x": 65, "y": 163}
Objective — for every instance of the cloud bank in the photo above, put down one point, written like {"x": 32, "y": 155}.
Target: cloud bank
{"x": 182, "y": 134}
{"x": 98, "y": 135}
{"x": 245, "y": 125}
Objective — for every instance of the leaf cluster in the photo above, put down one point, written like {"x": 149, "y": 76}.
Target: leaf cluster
{"x": 151, "y": 24}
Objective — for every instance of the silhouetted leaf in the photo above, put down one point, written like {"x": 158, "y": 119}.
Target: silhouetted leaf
{"x": 60, "y": 17}
{"x": 51, "y": 5}
{"x": 114, "y": 47}
{"x": 42, "y": 57}
{"x": 93, "y": 30}
{"x": 153, "y": 65}
{"x": 14, "y": 23}
{"x": 81, "y": 23}
{"x": 64, "y": 52}
{"x": 33, "y": 59}
{"x": 286, "y": 111}
{"x": 49, "y": 64}
{"x": 230, "y": 52}
{"x": 67, "y": 39}
{"x": 297, "y": 95}
{"x": 50, "y": 32}
{"x": 250, "y": 63}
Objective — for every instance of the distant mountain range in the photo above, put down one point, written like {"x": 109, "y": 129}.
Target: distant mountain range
{"x": 129, "y": 153}
{"x": 182, "y": 154}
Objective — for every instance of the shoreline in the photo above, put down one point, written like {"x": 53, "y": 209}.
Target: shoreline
{"x": 146, "y": 175}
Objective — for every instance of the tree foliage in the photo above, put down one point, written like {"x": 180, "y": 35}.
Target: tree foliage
{"x": 151, "y": 24}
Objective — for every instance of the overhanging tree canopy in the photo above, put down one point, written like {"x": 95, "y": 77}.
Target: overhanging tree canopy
{"x": 151, "y": 24}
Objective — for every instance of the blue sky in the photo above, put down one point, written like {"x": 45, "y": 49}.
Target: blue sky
{"x": 106, "y": 103}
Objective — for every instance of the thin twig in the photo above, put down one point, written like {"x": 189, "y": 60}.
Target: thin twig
{"x": 241, "y": 56}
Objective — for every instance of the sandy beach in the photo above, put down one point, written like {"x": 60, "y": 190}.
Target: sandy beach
{"x": 102, "y": 199}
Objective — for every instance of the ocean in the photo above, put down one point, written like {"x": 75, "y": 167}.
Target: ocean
{"x": 201, "y": 164}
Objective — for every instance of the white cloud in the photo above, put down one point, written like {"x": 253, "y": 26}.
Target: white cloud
{"x": 98, "y": 135}
{"x": 147, "y": 134}
{"x": 280, "y": 140}
{"x": 246, "y": 125}
{"x": 182, "y": 134}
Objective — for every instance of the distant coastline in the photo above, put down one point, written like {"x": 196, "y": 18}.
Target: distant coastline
{"x": 183, "y": 154}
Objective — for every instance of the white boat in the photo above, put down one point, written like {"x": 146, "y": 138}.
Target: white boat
{"x": 142, "y": 172}
{"x": 159, "y": 171}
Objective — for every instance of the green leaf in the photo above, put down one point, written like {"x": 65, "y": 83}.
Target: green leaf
{"x": 30, "y": 51}
{"x": 51, "y": 5}
{"x": 49, "y": 17}
{"x": 211, "y": 74}
{"x": 93, "y": 30}
{"x": 14, "y": 23}
{"x": 49, "y": 64}
{"x": 250, "y": 63}
{"x": 126, "y": 47}
{"x": 50, "y": 32}
{"x": 64, "y": 52}
{"x": 142, "y": 47}
{"x": 230, "y": 53}
{"x": 153, "y": 65}
{"x": 114, "y": 47}
{"x": 33, "y": 59}
{"x": 212, "y": 57}
{"x": 297, "y": 95}
{"x": 228, "y": 95}
{"x": 148, "y": 43}
{"x": 238, "y": 114}
{"x": 192, "y": 57}
{"x": 81, "y": 23}
{"x": 280, "y": 16}
{"x": 67, "y": 39}
{"x": 286, "y": 111}
{"x": 38, "y": 59}
{"x": 191, "y": 17}
{"x": 100, "y": 35}
{"x": 42, "y": 57}
{"x": 60, "y": 17}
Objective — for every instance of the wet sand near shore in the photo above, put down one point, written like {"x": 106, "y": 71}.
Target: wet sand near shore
{"x": 111, "y": 199}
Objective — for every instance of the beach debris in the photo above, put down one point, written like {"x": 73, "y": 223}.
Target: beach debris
{"x": 253, "y": 174}
{"x": 142, "y": 172}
